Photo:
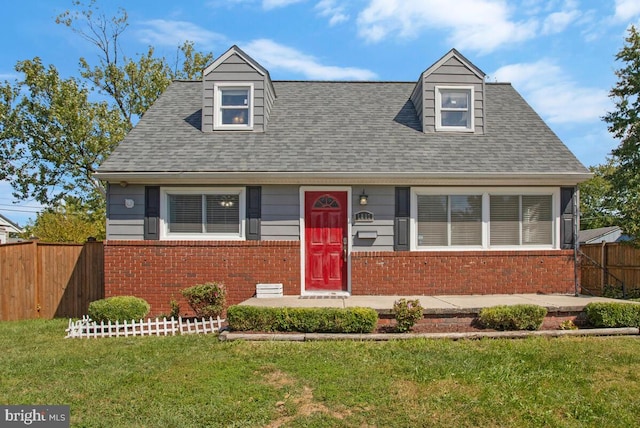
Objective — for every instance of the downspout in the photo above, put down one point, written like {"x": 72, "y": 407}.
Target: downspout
{"x": 576, "y": 244}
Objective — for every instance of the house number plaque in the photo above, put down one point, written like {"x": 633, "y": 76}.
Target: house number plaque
{"x": 363, "y": 217}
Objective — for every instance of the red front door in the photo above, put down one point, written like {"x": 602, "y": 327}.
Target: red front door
{"x": 325, "y": 220}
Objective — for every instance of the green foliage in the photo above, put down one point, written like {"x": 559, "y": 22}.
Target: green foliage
{"x": 613, "y": 314}
{"x": 54, "y": 135}
{"x": 307, "y": 320}
{"x": 616, "y": 292}
{"x": 118, "y": 308}
{"x": 624, "y": 124}
{"x": 175, "y": 309}
{"x": 407, "y": 313}
{"x": 514, "y": 317}
{"x": 207, "y": 300}
{"x": 568, "y": 325}
{"x": 66, "y": 223}
{"x": 596, "y": 207}
{"x": 53, "y": 138}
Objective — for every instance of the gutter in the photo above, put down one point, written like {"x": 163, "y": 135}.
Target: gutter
{"x": 369, "y": 178}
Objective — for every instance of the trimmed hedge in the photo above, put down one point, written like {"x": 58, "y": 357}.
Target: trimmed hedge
{"x": 206, "y": 300}
{"x": 118, "y": 308}
{"x": 613, "y": 314}
{"x": 514, "y": 317}
{"x": 306, "y": 320}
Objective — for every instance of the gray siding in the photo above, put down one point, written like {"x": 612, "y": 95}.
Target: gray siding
{"x": 382, "y": 204}
{"x": 122, "y": 222}
{"x": 280, "y": 213}
{"x": 236, "y": 69}
{"x": 417, "y": 98}
{"x": 452, "y": 72}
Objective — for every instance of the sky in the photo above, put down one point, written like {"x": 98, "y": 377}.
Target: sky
{"x": 559, "y": 54}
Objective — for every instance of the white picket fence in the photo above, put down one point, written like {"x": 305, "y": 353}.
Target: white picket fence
{"x": 160, "y": 327}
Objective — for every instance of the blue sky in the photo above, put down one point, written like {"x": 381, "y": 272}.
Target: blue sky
{"x": 559, "y": 54}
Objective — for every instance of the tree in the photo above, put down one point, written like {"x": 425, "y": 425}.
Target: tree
{"x": 133, "y": 86}
{"x": 596, "y": 208}
{"x": 624, "y": 124}
{"x": 68, "y": 222}
{"x": 54, "y": 135}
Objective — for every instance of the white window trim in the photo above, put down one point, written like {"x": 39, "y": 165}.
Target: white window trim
{"x": 217, "y": 95}
{"x": 486, "y": 192}
{"x": 164, "y": 213}
{"x": 438, "y": 107}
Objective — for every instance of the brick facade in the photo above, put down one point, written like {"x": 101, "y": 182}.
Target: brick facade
{"x": 462, "y": 272}
{"x": 158, "y": 270}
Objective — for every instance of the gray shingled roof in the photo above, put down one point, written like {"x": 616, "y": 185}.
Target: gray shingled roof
{"x": 360, "y": 127}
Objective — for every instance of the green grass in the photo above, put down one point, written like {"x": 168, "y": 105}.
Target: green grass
{"x": 198, "y": 381}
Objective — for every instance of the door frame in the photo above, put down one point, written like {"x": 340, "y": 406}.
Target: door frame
{"x": 303, "y": 191}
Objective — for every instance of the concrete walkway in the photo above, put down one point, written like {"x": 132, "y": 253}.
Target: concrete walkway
{"x": 436, "y": 304}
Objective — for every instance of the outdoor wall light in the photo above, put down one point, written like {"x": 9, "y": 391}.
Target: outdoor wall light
{"x": 364, "y": 198}
{"x": 129, "y": 203}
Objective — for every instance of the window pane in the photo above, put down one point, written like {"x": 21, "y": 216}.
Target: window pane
{"x": 537, "y": 220}
{"x": 466, "y": 220}
{"x": 432, "y": 220}
{"x": 504, "y": 220}
{"x": 455, "y": 99}
{"x": 455, "y": 118}
{"x": 223, "y": 214}
{"x": 235, "y": 116}
{"x": 235, "y": 97}
{"x": 185, "y": 213}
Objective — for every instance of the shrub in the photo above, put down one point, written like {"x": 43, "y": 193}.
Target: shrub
{"x": 307, "y": 320}
{"x": 568, "y": 325}
{"x": 613, "y": 314}
{"x": 406, "y": 313}
{"x": 118, "y": 308}
{"x": 515, "y": 317}
{"x": 207, "y": 300}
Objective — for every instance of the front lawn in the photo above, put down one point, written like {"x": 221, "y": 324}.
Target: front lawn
{"x": 198, "y": 381}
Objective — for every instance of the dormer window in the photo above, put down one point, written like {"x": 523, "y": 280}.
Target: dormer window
{"x": 234, "y": 106}
{"x": 454, "y": 108}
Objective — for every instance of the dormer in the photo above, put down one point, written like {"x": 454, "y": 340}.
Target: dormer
{"x": 449, "y": 96}
{"x": 237, "y": 94}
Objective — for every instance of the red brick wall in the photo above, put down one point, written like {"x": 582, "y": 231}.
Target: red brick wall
{"x": 462, "y": 272}
{"x": 157, "y": 270}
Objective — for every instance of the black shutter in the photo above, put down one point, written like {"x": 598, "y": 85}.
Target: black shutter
{"x": 401, "y": 223}
{"x": 152, "y": 212}
{"x": 254, "y": 212}
{"x": 567, "y": 217}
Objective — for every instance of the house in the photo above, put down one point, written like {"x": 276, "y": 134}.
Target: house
{"x": 601, "y": 234}
{"x": 445, "y": 185}
{"x": 8, "y": 230}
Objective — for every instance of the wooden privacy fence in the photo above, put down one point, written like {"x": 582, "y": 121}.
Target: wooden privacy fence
{"x": 611, "y": 263}
{"x": 45, "y": 280}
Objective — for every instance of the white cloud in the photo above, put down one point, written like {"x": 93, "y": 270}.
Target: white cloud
{"x": 552, "y": 94}
{"x": 479, "y": 25}
{"x": 8, "y": 76}
{"x": 161, "y": 32}
{"x": 274, "y": 56}
{"x": 274, "y": 4}
{"x": 558, "y": 21}
{"x": 335, "y": 13}
{"x": 627, "y": 9}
